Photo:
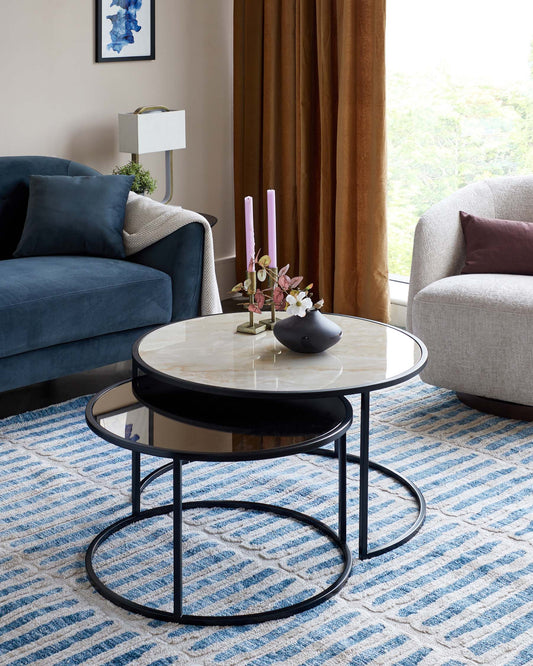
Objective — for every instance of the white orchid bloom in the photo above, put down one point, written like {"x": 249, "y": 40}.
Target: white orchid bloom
{"x": 299, "y": 304}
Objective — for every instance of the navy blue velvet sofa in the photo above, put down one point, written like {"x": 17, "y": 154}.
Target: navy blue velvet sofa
{"x": 65, "y": 314}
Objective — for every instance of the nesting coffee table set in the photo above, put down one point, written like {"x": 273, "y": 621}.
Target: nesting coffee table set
{"x": 206, "y": 382}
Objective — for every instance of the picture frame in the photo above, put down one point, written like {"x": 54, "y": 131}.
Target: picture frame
{"x": 125, "y": 30}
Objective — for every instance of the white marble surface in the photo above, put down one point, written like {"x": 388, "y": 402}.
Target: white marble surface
{"x": 209, "y": 352}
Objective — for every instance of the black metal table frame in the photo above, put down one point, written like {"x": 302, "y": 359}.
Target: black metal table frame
{"x": 340, "y": 539}
{"x": 178, "y": 506}
{"x": 365, "y": 465}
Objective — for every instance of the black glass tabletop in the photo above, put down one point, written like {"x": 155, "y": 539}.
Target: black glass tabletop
{"x": 154, "y": 418}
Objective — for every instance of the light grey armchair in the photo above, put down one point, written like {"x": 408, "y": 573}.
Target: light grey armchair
{"x": 478, "y": 327}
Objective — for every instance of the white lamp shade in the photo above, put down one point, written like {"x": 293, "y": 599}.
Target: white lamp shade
{"x": 151, "y": 132}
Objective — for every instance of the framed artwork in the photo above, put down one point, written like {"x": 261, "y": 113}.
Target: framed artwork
{"x": 125, "y": 30}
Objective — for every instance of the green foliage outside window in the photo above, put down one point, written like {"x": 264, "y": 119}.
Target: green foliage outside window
{"x": 442, "y": 136}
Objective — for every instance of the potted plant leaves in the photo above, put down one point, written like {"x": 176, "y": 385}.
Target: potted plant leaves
{"x": 143, "y": 183}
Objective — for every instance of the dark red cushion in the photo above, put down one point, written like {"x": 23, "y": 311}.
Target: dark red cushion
{"x": 497, "y": 246}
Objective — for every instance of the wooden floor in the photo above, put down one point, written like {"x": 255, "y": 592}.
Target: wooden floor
{"x": 48, "y": 393}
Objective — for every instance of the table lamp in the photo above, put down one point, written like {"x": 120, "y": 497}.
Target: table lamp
{"x": 152, "y": 129}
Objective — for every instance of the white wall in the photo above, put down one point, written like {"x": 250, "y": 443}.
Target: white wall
{"x": 55, "y": 100}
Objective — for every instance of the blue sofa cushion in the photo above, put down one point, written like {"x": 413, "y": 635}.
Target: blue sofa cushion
{"x": 46, "y": 301}
{"x": 76, "y": 215}
{"x": 15, "y": 175}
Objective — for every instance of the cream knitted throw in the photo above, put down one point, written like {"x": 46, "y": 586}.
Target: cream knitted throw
{"x": 148, "y": 221}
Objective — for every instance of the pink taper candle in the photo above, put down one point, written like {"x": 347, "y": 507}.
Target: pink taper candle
{"x": 249, "y": 229}
{"x": 271, "y": 211}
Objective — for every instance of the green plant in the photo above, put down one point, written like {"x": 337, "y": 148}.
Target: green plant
{"x": 143, "y": 183}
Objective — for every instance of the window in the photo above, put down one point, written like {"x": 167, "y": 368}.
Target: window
{"x": 459, "y": 103}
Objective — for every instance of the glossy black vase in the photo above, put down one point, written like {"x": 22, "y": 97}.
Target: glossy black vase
{"x": 311, "y": 334}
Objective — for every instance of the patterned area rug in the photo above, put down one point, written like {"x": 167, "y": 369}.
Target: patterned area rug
{"x": 460, "y": 592}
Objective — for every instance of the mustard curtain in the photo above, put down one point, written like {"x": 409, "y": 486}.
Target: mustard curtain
{"x": 309, "y": 122}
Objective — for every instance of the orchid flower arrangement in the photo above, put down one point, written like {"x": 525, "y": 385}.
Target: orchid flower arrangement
{"x": 286, "y": 291}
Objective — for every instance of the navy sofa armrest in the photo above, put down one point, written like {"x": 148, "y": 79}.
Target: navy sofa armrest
{"x": 180, "y": 255}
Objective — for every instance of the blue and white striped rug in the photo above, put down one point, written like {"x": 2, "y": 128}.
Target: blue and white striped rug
{"x": 461, "y": 592}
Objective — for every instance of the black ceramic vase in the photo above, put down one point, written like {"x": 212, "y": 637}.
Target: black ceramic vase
{"x": 311, "y": 334}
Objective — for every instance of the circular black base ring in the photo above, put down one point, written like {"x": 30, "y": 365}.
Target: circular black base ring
{"x": 248, "y": 618}
{"x": 413, "y": 489}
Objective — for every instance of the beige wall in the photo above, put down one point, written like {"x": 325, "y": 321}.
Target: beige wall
{"x": 57, "y": 101}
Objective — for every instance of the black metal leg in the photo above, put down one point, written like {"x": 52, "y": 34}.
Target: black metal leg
{"x": 135, "y": 482}
{"x": 363, "y": 476}
{"x": 178, "y": 548}
{"x": 340, "y": 447}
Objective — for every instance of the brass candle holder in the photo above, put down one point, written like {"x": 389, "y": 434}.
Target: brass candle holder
{"x": 272, "y": 280}
{"x": 251, "y": 327}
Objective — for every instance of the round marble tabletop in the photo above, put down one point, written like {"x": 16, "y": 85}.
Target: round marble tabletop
{"x": 207, "y": 354}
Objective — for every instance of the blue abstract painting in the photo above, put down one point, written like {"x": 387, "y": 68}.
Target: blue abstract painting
{"x": 124, "y": 23}
{"x": 125, "y": 30}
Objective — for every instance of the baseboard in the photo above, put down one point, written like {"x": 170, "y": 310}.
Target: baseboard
{"x": 398, "y": 315}
{"x": 398, "y": 291}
